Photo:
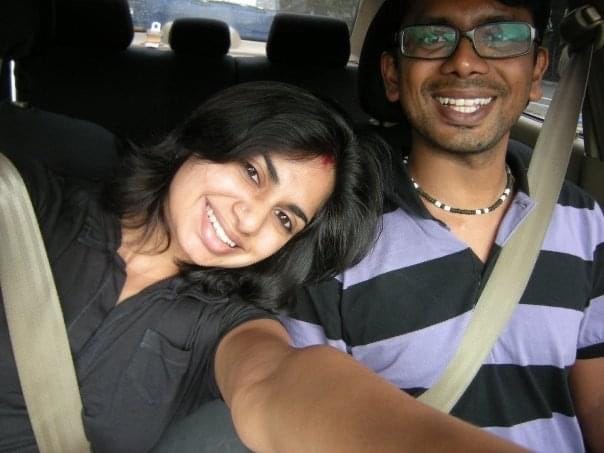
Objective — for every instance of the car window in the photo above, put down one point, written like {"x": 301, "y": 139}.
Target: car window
{"x": 250, "y": 18}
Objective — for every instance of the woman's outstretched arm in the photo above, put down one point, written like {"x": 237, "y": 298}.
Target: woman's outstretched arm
{"x": 321, "y": 400}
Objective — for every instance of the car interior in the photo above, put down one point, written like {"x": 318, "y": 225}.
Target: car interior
{"x": 75, "y": 88}
{"x": 78, "y": 80}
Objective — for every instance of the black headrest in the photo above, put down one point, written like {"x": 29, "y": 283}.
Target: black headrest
{"x": 298, "y": 39}
{"x": 25, "y": 26}
{"x": 99, "y": 24}
{"x": 379, "y": 37}
{"x": 197, "y": 36}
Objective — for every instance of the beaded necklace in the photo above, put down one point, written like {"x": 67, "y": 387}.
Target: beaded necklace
{"x": 445, "y": 207}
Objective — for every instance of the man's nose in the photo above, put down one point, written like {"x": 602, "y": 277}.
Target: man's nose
{"x": 465, "y": 61}
{"x": 250, "y": 215}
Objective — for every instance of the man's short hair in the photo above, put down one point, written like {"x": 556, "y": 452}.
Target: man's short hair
{"x": 540, "y": 10}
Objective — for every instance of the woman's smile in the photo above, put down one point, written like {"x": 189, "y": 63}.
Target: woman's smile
{"x": 246, "y": 211}
{"x": 218, "y": 228}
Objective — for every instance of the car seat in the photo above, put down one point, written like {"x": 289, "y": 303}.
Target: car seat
{"x": 91, "y": 72}
{"x": 70, "y": 146}
{"x": 311, "y": 52}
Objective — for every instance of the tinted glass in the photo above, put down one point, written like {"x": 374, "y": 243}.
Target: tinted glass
{"x": 251, "y": 18}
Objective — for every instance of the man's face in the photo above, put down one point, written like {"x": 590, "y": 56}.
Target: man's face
{"x": 464, "y": 103}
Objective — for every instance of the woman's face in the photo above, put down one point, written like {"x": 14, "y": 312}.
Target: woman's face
{"x": 236, "y": 214}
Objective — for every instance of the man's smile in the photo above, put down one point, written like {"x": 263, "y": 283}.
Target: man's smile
{"x": 464, "y": 105}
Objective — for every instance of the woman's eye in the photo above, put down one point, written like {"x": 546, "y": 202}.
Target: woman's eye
{"x": 284, "y": 220}
{"x": 252, "y": 172}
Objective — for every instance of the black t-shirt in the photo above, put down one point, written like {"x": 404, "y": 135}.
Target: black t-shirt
{"x": 140, "y": 364}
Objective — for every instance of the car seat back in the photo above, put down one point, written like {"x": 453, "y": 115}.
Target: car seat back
{"x": 311, "y": 52}
{"x": 90, "y": 72}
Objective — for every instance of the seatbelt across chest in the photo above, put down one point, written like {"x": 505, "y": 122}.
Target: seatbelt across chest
{"x": 35, "y": 323}
{"x": 514, "y": 266}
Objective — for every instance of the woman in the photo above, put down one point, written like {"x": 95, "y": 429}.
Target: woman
{"x": 263, "y": 188}
{"x": 168, "y": 287}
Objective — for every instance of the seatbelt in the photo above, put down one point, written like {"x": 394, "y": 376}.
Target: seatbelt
{"x": 516, "y": 261}
{"x": 35, "y": 323}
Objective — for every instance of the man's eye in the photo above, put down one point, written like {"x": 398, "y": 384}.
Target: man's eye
{"x": 497, "y": 36}
{"x": 252, "y": 172}
{"x": 432, "y": 39}
{"x": 284, "y": 220}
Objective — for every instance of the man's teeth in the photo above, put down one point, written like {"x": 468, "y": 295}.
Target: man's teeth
{"x": 218, "y": 228}
{"x": 464, "y": 105}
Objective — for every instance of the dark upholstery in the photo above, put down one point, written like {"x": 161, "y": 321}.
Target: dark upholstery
{"x": 5, "y": 82}
{"x": 137, "y": 93}
{"x": 25, "y": 26}
{"x": 93, "y": 24}
{"x": 388, "y": 120}
{"x": 310, "y": 52}
{"x": 379, "y": 38}
{"x": 202, "y": 37}
{"x": 298, "y": 40}
{"x": 70, "y": 146}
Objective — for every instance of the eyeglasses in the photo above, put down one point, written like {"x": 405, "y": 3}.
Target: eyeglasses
{"x": 492, "y": 40}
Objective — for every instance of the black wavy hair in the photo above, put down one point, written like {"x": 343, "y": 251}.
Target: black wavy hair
{"x": 250, "y": 119}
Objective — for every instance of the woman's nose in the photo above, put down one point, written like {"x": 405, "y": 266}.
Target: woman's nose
{"x": 250, "y": 216}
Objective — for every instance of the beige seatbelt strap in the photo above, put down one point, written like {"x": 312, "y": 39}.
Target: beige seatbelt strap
{"x": 35, "y": 321}
{"x": 515, "y": 264}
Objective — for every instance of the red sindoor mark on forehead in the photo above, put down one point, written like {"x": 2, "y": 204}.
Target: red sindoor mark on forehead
{"x": 327, "y": 159}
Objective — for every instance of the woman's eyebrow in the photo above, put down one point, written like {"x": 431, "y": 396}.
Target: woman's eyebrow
{"x": 299, "y": 213}
{"x": 272, "y": 171}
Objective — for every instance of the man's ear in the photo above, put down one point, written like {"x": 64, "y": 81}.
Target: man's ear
{"x": 390, "y": 76}
{"x": 541, "y": 63}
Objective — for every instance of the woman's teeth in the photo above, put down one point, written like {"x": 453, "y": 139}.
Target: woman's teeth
{"x": 464, "y": 105}
{"x": 218, "y": 228}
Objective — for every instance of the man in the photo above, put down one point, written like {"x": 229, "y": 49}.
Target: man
{"x": 462, "y": 73}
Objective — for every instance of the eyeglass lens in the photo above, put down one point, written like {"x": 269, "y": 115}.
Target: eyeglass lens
{"x": 494, "y": 40}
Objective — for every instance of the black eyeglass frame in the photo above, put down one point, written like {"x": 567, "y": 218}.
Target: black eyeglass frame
{"x": 466, "y": 34}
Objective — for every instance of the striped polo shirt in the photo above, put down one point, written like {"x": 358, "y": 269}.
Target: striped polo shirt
{"x": 403, "y": 309}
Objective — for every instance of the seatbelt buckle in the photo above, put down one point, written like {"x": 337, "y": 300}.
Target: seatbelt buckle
{"x": 582, "y": 27}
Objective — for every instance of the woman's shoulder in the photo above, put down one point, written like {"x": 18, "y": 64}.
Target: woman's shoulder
{"x": 63, "y": 204}
{"x": 215, "y": 318}
{"x": 218, "y": 315}
{"x": 48, "y": 187}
